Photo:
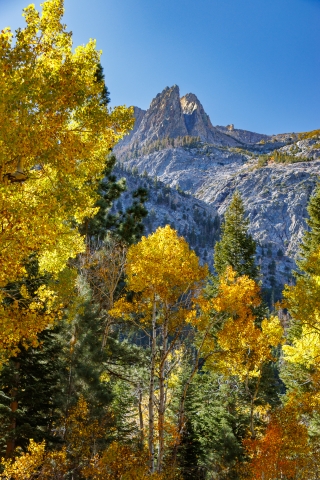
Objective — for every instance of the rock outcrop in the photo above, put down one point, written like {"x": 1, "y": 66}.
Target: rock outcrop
{"x": 213, "y": 161}
{"x": 138, "y": 115}
{"x": 171, "y": 117}
{"x": 164, "y": 118}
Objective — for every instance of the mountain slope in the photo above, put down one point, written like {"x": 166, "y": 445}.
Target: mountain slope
{"x": 175, "y": 141}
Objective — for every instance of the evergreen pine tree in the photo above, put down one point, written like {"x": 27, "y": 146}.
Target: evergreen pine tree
{"x": 105, "y": 94}
{"x": 216, "y": 426}
{"x": 127, "y": 225}
{"x": 236, "y": 247}
{"x": 32, "y": 382}
{"x": 130, "y": 227}
{"x": 311, "y": 239}
{"x": 100, "y": 374}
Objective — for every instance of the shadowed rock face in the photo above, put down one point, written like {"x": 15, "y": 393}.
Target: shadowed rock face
{"x": 138, "y": 115}
{"x": 170, "y": 116}
{"x": 164, "y": 118}
{"x": 197, "y": 121}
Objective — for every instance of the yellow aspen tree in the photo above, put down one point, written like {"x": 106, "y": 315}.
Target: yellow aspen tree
{"x": 303, "y": 303}
{"x": 240, "y": 348}
{"x": 36, "y": 463}
{"x": 55, "y": 136}
{"x": 166, "y": 277}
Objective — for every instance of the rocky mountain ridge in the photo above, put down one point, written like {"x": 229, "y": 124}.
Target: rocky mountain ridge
{"x": 175, "y": 142}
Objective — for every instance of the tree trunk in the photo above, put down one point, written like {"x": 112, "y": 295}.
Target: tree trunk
{"x": 181, "y": 413}
{"x": 14, "y": 407}
{"x": 162, "y": 394}
{"x": 141, "y": 426}
{"x": 151, "y": 389}
{"x": 253, "y": 399}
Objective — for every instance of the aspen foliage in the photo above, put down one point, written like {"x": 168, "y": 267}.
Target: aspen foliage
{"x": 303, "y": 299}
{"x": 36, "y": 463}
{"x": 122, "y": 462}
{"x": 240, "y": 347}
{"x": 55, "y": 136}
{"x": 163, "y": 267}
{"x": 303, "y": 302}
{"x": 166, "y": 278}
{"x": 283, "y": 451}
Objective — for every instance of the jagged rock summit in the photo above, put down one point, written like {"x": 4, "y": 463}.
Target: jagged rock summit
{"x": 175, "y": 142}
{"x": 170, "y": 116}
{"x": 164, "y": 118}
{"x": 198, "y": 123}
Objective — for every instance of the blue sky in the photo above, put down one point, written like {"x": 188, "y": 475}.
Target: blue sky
{"x": 253, "y": 63}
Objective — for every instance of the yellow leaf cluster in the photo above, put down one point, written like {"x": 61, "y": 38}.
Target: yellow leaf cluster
{"x": 122, "y": 462}
{"x": 81, "y": 431}
{"x": 36, "y": 463}
{"x": 23, "y": 319}
{"x": 242, "y": 347}
{"x": 55, "y": 137}
{"x": 303, "y": 302}
{"x": 161, "y": 268}
{"x": 163, "y": 264}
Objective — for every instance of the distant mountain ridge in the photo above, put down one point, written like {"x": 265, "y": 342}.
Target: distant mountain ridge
{"x": 175, "y": 142}
{"x": 172, "y": 116}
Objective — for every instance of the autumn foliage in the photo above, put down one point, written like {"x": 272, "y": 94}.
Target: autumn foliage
{"x": 55, "y": 136}
{"x": 148, "y": 321}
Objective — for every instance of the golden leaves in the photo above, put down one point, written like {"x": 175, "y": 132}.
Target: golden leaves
{"x": 53, "y": 123}
{"x": 241, "y": 348}
{"x": 303, "y": 302}
{"x": 57, "y": 134}
{"x": 36, "y": 463}
{"x": 163, "y": 269}
{"x": 163, "y": 264}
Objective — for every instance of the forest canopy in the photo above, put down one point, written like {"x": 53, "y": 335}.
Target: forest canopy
{"x": 56, "y": 133}
{"x": 122, "y": 357}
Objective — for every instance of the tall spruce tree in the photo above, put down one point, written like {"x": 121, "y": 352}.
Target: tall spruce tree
{"x": 217, "y": 407}
{"x": 211, "y": 446}
{"x": 105, "y": 94}
{"x": 236, "y": 247}
{"x": 32, "y": 394}
{"x": 127, "y": 225}
{"x": 311, "y": 240}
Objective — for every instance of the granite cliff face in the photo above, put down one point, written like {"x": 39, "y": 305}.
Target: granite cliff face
{"x": 163, "y": 119}
{"x": 175, "y": 142}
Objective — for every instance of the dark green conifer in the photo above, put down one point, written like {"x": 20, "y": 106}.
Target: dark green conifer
{"x": 236, "y": 247}
{"x": 105, "y": 95}
{"x": 215, "y": 429}
{"x": 30, "y": 383}
{"x": 127, "y": 225}
{"x": 311, "y": 239}
{"x": 33, "y": 381}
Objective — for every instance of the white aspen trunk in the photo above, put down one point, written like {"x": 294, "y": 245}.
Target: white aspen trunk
{"x": 253, "y": 399}
{"x": 151, "y": 389}
{"x": 141, "y": 426}
{"x": 162, "y": 394}
{"x": 181, "y": 413}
